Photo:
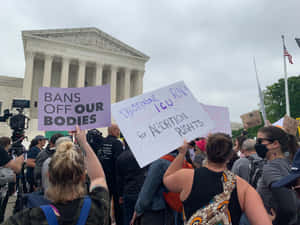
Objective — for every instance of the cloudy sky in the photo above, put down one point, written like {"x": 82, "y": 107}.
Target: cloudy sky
{"x": 208, "y": 44}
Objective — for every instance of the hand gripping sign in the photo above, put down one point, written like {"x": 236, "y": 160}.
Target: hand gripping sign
{"x": 157, "y": 122}
{"x": 64, "y": 108}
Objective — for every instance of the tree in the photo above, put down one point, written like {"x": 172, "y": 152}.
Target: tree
{"x": 274, "y": 99}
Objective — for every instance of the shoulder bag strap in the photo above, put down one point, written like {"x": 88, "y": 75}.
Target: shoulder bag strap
{"x": 183, "y": 213}
{"x": 229, "y": 182}
{"x": 85, "y": 211}
{"x": 50, "y": 216}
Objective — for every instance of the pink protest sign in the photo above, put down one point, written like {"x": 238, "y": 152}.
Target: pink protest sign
{"x": 220, "y": 116}
{"x": 64, "y": 108}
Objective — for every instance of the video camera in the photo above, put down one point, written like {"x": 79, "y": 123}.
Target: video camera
{"x": 18, "y": 123}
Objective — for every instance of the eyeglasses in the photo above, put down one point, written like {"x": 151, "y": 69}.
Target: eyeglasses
{"x": 260, "y": 140}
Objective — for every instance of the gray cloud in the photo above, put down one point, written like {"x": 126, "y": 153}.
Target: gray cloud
{"x": 209, "y": 45}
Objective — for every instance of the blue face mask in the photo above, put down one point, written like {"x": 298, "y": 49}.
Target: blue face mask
{"x": 261, "y": 150}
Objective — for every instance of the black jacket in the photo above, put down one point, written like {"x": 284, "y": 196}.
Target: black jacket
{"x": 108, "y": 154}
{"x": 130, "y": 177}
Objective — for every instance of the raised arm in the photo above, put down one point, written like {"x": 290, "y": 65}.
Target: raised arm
{"x": 177, "y": 179}
{"x": 178, "y": 161}
{"x": 94, "y": 168}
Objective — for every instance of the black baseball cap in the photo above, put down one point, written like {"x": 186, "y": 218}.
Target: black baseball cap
{"x": 40, "y": 137}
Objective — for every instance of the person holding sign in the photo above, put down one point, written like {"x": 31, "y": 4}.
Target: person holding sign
{"x": 69, "y": 202}
{"x": 214, "y": 189}
{"x": 156, "y": 205}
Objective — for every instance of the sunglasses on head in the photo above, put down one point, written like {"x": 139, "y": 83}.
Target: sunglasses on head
{"x": 260, "y": 140}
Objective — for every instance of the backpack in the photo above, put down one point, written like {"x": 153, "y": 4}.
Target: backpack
{"x": 171, "y": 198}
{"x": 35, "y": 199}
{"x": 255, "y": 170}
{"x": 50, "y": 212}
{"x": 216, "y": 212}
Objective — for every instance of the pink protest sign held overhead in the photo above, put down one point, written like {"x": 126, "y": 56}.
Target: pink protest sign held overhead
{"x": 64, "y": 108}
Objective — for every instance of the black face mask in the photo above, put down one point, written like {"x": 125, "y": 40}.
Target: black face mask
{"x": 261, "y": 150}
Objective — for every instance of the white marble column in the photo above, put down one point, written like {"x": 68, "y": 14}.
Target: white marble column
{"x": 139, "y": 82}
{"x": 99, "y": 72}
{"x": 127, "y": 87}
{"x": 27, "y": 83}
{"x": 113, "y": 84}
{"x": 81, "y": 74}
{"x": 47, "y": 70}
{"x": 64, "y": 78}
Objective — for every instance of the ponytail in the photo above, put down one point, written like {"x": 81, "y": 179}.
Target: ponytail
{"x": 293, "y": 146}
{"x": 66, "y": 170}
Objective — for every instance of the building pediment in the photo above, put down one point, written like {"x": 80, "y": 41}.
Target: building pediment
{"x": 87, "y": 37}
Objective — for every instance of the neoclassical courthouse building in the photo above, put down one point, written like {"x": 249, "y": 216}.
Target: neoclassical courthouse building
{"x": 72, "y": 58}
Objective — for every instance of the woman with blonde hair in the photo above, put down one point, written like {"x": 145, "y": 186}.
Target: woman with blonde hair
{"x": 70, "y": 204}
{"x": 212, "y": 194}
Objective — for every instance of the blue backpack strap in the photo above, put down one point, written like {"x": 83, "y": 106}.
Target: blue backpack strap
{"x": 85, "y": 211}
{"x": 50, "y": 216}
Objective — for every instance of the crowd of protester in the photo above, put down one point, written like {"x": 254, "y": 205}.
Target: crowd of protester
{"x": 86, "y": 178}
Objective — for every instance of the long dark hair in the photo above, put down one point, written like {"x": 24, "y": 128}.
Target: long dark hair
{"x": 33, "y": 143}
{"x": 288, "y": 143}
{"x": 293, "y": 146}
{"x": 240, "y": 140}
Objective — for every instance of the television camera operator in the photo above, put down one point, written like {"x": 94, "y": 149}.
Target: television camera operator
{"x": 8, "y": 168}
{"x": 12, "y": 151}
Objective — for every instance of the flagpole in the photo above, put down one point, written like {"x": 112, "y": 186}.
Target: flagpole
{"x": 261, "y": 96}
{"x": 285, "y": 79}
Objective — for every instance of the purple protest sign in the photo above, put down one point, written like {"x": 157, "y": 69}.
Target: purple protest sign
{"x": 64, "y": 108}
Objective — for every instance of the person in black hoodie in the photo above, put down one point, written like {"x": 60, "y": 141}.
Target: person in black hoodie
{"x": 43, "y": 156}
